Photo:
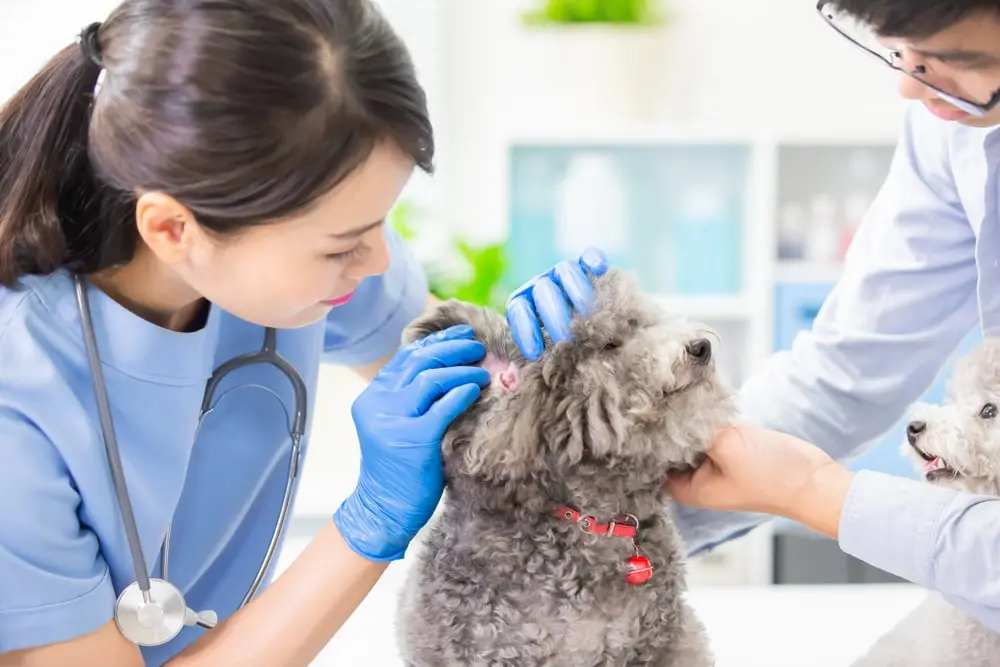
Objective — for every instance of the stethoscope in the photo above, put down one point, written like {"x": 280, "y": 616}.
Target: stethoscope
{"x": 152, "y": 611}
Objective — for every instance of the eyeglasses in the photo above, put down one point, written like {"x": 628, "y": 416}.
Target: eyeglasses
{"x": 864, "y": 36}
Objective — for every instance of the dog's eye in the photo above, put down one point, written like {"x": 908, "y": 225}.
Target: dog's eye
{"x": 633, "y": 323}
{"x": 989, "y": 411}
{"x": 612, "y": 345}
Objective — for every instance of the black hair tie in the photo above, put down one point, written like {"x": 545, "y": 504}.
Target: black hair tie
{"x": 89, "y": 45}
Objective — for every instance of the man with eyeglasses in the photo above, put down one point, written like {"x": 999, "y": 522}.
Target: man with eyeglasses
{"x": 922, "y": 272}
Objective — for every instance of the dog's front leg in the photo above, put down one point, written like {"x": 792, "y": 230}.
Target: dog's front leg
{"x": 686, "y": 645}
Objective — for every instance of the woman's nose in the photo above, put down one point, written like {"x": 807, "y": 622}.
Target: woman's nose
{"x": 375, "y": 262}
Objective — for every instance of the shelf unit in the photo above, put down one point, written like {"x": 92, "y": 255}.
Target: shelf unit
{"x": 748, "y": 161}
{"x": 776, "y": 291}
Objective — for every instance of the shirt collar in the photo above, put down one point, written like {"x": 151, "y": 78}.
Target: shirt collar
{"x": 127, "y": 342}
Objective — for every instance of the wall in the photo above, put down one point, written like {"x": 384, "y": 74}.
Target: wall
{"x": 726, "y": 66}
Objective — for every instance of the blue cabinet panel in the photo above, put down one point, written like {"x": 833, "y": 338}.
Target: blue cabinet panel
{"x": 795, "y": 307}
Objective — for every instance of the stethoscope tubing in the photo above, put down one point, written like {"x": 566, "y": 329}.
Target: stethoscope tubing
{"x": 111, "y": 442}
{"x": 268, "y": 354}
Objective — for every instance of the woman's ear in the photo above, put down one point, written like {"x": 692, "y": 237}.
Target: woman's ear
{"x": 167, "y": 227}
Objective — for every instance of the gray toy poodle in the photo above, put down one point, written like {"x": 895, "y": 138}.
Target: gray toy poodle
{"x": 518, "y": 567}
{"x": 957, "y": 445}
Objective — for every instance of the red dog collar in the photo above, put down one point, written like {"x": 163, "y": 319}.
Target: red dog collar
{"x": 638, "y": 569}
{"x": 589, "y": 524}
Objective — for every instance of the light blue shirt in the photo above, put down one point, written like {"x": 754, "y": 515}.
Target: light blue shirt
{"x": 63, "y": 552}
{"x": 923, "y": 271}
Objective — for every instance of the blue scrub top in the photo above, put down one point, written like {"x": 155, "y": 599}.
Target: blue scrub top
{"x": 64, "y": 557}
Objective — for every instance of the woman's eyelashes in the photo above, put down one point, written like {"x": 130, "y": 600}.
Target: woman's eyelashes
{"x": 348, "y": 255}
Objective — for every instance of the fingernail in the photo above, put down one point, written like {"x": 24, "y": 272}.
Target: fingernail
{"x": 457, "y": 330}
{"x": 594, "y": 259}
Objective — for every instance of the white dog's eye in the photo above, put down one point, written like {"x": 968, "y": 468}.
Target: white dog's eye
{"x": 989, "y": 411}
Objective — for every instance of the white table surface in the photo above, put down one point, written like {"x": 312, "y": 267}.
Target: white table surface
{"x": 799, "y": 626}
{"x": 773, "y": 626}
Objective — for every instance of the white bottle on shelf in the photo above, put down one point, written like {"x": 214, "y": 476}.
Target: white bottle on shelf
{"x": 863, "y": 172}
{"x": 792, "y": 230}
{"x": 592, "y": 207}
{"x": 823, "y": 233}
{"x": 856, "y": 207}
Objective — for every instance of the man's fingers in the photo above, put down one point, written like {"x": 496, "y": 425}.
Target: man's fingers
{"x": 679, "y": 485}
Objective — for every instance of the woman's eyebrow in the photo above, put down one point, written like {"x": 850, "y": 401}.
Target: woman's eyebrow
{"x": 357, "y": 231}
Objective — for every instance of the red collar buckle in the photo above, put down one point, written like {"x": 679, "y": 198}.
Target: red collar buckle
{"x": 638, "y": 569}
{"x": 624, "y": 526}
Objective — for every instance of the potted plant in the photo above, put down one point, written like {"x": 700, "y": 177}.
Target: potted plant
{"x": 455, "y": 267}
{"x": 623, "y": 12}
{"x": 591, "y": 60}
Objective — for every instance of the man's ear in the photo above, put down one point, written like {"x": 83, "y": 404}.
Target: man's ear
{"x": 167, "y": 227}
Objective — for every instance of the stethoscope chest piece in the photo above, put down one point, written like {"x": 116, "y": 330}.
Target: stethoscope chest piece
{"x": 158, "y": 620}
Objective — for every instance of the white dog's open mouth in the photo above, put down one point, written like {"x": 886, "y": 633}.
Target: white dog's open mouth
{"x": 935, "y": 467}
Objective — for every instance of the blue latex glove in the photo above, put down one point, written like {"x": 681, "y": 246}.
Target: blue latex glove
{"x": 401, "y": 417}
{"x": 549, "y": 297}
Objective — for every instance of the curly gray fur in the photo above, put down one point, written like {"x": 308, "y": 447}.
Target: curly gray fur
{"x": 596, "y": 424}
{"x": 956, "y": 445}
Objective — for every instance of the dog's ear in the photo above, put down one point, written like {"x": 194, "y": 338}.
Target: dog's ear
{"x": 439, "y": 317}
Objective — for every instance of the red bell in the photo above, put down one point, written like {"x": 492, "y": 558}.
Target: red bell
{"x": 638, "y": 570}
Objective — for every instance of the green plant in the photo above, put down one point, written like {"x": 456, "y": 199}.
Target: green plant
{"x": 468, "y": 272}
{"x": 640, "y": 12}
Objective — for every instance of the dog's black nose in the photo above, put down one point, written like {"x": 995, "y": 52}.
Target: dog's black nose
{"x": 913, "y": 429}
{"x": 700, "y": 350}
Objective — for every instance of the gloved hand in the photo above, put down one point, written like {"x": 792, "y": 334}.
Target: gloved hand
{"x": 401, "y": 417}
{"x": 551, "y": 294}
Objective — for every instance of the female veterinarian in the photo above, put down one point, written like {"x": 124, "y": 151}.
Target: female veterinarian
{"x": 923, "y": 270}
{"x": 191, "y": 183}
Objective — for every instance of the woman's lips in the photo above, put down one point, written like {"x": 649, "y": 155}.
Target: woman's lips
{"x": 339, "y": 301}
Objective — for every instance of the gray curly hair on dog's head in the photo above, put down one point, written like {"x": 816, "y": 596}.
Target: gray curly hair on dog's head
{"x": 598, "y": 420}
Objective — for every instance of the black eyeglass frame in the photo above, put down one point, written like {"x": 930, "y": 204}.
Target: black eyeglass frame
{"x": 968, "y": 106}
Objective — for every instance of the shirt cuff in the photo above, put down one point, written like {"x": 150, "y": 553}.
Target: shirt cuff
{"x": 892, "y": 523}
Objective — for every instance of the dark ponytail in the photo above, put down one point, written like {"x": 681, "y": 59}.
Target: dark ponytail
{"x": 46, "y": 182}
{"x": 245, "y": 111}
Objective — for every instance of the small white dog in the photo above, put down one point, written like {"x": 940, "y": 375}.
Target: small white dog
{"x": 957, "y": 445}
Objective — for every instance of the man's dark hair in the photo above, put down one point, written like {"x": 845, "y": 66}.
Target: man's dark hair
{"x": 915, "y": 19}
{"x": 245, "y": 111}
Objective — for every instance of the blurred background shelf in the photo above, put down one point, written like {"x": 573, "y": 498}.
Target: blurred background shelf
{"x": 710, "y": 307}
{"x": 803, "y": 271}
